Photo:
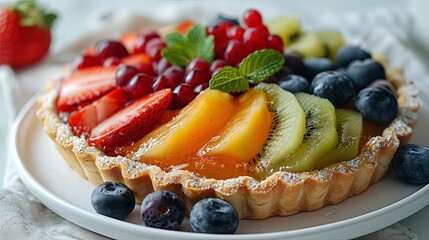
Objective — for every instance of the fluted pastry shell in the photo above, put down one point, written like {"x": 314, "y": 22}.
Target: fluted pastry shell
{"x": 281, "y": 194}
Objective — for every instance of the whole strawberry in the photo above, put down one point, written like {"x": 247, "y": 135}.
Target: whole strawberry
{"x": 25, "y": 34}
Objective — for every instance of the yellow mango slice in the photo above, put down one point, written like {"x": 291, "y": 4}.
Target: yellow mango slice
{"x": 242, "y": 138}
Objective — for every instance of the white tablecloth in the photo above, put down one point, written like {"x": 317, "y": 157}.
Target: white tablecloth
{"x": 22, "y": 216}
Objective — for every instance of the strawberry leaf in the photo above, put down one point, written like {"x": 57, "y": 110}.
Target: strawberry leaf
{"x": 260, "y": 65}
{"x": 229, "y": 79}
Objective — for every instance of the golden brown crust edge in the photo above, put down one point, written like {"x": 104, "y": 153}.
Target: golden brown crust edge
{"x": 281, "y": 194}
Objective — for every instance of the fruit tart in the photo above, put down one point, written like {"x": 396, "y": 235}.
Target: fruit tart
{"x": 273, "y": 120}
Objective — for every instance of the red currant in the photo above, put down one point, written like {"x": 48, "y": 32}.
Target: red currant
{"x": 162, "y": 65}
{"x": 235, "y": 52}
{"x": 162, "y": 82}
{"x": 111, "y": 61}
{"x": 198, "y": 63}
{"x": 182, "y": 95}
{"x": 146, "y": 68}
{"x": 84, "y": 61}
{"x": 142, "y": 40}
{"x": 263, "y": 29}
{"x": 275, "y": 42}
{"x": 254, "y": 39}
{"x": 200, "y": 87}
{"x": 252, "y": 18}
{"x": 110, "y": 48}
{"x": 124, "y": 74}
{"x": 139, "y": 85}
{"x": 219, "y": 63}
{"x": 175, "y": 73}
{"x": 220, "y": 39}
{"x": 236, "y": 33}
{"x": 195, "y": 77}
{"x": 225, "y": 25}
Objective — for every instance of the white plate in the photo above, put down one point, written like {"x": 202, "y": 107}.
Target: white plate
{"x": 62, "y": 190}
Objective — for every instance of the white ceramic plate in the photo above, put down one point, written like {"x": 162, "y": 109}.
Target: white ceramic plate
{"x": 62, "y": 190}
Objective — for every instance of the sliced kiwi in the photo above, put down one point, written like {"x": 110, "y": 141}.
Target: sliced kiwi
{"x": 287, "y": 27}
{"x": 320, "y": 137}
{"x": 349, "y": 128}
{"x": 308, "y": 45}
{"x": 333, "y": 41}
{"x": 288, "y": 127}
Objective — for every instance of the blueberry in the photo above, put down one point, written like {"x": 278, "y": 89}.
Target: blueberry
{"x": 377, "y": 105}
{"x": 348, "y": 54}
{"x": 335, "y": 86}
{"x": 315, "y": 66}
{"x": 411, "y": 163}
{"x": 295, "y": 64}
{"x": 113, "y": 199}
{"x": 162, "y": 209}
{"x": 365, "y": 72}
{"x": 382, "y": 83}
{"x": 213, "y": 215}
{"x": 283, "y": 72}
{"x": 294, "y": 83}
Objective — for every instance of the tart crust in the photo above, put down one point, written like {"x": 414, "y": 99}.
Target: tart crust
{"x": 281, "y": 194}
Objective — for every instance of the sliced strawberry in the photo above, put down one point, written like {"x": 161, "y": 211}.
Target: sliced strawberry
{"x": 85, "y": 119}
{"x": 131, "y": 123}
{"x": 85, "y": 86}
{"x": 137, "y": 59}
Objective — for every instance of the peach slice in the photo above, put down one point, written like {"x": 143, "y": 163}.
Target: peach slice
{"x": 186, "y": 133}
{"x": 242, "y": 138}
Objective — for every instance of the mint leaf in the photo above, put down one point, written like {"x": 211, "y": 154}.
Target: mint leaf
{"x": 201, "y": 44}
{"x": 178, "y": 55}
{"x": 175, "y": 38}
{"x": 229, "y": 79}
{"x": 195, "y": 44}
{"x": 261, "y": 64}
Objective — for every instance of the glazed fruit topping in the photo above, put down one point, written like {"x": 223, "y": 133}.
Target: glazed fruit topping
{"x": 365, "y": 72}
{"x": 335, "y": 86}
{"x": 411, "y": 163}
{"x": 130, "y": 123}
{"x": 214, "y": 215}
{"x": 97, "y": 81}
{"x": 85, "y": 119}
{"x": 124, "y": 74}
{"x": 139, "y": 86}
{"x": 113, "y": 199}
{"x": 162, "y": 209}
{"x": 377, "y": 105}
{"x": 110, "y": 48}
{"x": 350, "y": 53}
{"x": 294, "y": 83}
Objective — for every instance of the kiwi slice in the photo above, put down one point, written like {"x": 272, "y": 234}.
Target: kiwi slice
{"x": 288, "y": 126}
{"x": 320, "y": 137}
{"x": 308, "y": 45}
{"x": 287, "y": 27}
{"x": 349, "y": 128}
{"x": 333, "y": 41}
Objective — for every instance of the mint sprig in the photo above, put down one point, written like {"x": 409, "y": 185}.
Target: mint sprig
{"x": 255, "y": 68}
{"x": 229, "y": 78}
{"x": 181, "y": 49}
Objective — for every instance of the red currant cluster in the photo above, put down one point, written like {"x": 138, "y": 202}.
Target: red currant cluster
{"x": 235, "y": 42}
{"x": 146, "y": 71}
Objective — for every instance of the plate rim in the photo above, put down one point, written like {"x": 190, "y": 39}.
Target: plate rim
{"x": 50, "y": 200}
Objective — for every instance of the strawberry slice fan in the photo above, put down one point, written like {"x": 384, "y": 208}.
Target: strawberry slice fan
{"x": 25, "y": 34}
